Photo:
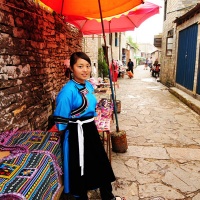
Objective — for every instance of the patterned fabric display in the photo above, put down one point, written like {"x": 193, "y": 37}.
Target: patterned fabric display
{"x": 104, "y": 111}
{"x": 32, "y": 169}
{"x": 32, "y": 176}
{"x": 34, "y": 141}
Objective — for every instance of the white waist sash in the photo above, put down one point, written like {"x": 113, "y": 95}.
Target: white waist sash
{"x": 81, "y": 141}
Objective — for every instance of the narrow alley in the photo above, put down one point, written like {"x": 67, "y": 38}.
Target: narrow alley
{"x": 163, "y": 157}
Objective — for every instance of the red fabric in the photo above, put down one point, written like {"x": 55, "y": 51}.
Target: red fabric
{"x": 125, "y": 22}
{"x": 53, "y": 129}
{"x": 114, "y": 70}
{"x": 90, "y": 8}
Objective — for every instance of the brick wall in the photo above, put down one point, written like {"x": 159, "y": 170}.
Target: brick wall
{"x": 33, "y": 47}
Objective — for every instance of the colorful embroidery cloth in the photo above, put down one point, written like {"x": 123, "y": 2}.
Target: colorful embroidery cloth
{"x": 104, "y": 111}
{"x": 32, "y": 170}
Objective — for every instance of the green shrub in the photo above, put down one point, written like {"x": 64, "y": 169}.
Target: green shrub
{"x": 102, "y": 65}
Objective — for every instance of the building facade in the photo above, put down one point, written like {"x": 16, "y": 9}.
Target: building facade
{"x": 180, "y": 46}
{"x": 115, "y": 44}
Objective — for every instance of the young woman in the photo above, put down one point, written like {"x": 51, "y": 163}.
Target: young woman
{"x": 86, "y": 165}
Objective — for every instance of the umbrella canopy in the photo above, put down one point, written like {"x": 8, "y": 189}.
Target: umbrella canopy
{"x": 120, "y": 23}
{"x": 90, "y": 8}
{"x": 94, "y": 9}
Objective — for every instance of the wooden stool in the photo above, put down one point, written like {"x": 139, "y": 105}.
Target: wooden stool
{"x": 107, "y": 143}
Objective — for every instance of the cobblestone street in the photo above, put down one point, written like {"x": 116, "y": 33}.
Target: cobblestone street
{"x": 163, "y": 157}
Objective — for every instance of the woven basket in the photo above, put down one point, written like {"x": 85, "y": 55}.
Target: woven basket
{"x": 119, "y": 141}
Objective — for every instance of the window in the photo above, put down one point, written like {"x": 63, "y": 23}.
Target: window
{"x": 169, "y": 43}
{"x": 116, "y": 40}
{"x": 124, "y": 56}
{"x": 110, "y": 39}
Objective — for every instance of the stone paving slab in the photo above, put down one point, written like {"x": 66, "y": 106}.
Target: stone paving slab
{"x": 163, "y": 157}
{"x": 186, "y": 154}
{"x": 146, "y": 152}
{"x": 162, "y": 161}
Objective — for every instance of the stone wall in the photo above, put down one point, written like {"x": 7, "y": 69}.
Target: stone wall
{"x": 193, "y": 20}
{"x": 33, "y": 47}
{"x": 90, "y": 46}
{"x": 175, "y": 8}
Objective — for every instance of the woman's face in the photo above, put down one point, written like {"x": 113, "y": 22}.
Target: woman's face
{"x": 81, "y": 70}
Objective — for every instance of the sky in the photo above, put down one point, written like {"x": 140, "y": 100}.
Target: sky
{"x": 150, "y": 27}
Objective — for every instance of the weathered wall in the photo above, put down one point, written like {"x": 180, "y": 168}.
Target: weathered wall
{"x": 33, "y": 47}
{"x": 90, "y": 46}
{"x": 175, "y": 8}
{"x": 193, "y": 20}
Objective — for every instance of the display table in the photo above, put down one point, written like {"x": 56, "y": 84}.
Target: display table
{"x": 103, "y": 120}
{"x": 103, "y": 92}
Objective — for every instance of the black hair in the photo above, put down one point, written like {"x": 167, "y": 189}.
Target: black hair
{"x": 68, "y": 73}
{"x": 76, "y": 55}
{"x": 73, "y": 59}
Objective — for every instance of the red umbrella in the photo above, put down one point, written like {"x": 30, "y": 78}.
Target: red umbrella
{"x": 119, "y": 23}
{"x": 94, "y": 9}
{"x": 90, "y": 8}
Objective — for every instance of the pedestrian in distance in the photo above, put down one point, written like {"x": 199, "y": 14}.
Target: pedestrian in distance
{"x": 146, "y": 64}
{"x": 86, "y": 165}
{"x": 150, "y": 61}
{"x": 155, "y": 62}
{"x": 130, "y": 65}
{"x": 114, "y": 70}
{"x": 155, "y": 68}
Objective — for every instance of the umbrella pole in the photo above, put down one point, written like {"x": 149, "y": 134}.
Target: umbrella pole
{"x": 62, "y": 7}
{"x": 106, "y": 52}
{"x": 112, "y": 63}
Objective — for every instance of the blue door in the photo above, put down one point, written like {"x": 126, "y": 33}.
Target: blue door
{"x": 198, "y": 75}
{"x": 187, "y": 45}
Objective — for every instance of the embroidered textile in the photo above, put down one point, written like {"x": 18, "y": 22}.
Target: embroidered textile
{"x": 32, "y": 169}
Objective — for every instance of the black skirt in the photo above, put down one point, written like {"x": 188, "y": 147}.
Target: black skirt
{"x": 97, "y": 168}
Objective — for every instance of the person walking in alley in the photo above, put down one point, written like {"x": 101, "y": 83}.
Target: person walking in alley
{"x": 130, "y": 65}
{"x": 86, "y": 165}
{"x": 155, "y": 67}
{"x": 146, "y": 64}
{"x": 150, "y": 61}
